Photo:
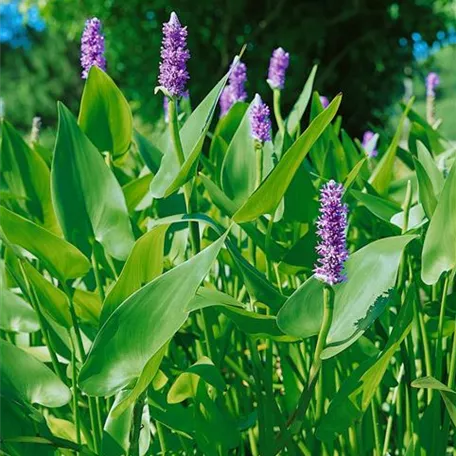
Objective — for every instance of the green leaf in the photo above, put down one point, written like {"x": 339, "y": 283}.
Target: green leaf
{"x": 294, "y": 119}
{"x": 426, "y": 191}
{"x": 16, "y": 315}
{"x": 144, "y": 264}
{"x": 59, "y": 257}
{"x": 382, "y": 208}
{"x": 224, "y": 132}
{"x": 151, "y": 154}
{"x": 136, "y": 191}
{"x": 358, "y": 301}
{"x": 428, "y": 163}
{"x": 87, "y": 306}
{"x": 26, "y": 380}
{"x": 53, "y": 301}
{"x": 87, "y": 208}
{"x": 105, "y": 116}
{"x": 439, "y": 249}
{"x": 238, "y": 172}
{"x": 186, "y": 384}
{"x": 383, "y": 173}
{"x": 448, "y": 395}
{"x": 147, "y": 375}
{"x": 355, "y": 395}
{"x": 25, "y": 175}
{"x": 255, "y": 324}
{"x": 171, "y": 176}
{"x": 156, "y": 312}
{"x": 228, "y": 207}
{"x": 268, "y": 195}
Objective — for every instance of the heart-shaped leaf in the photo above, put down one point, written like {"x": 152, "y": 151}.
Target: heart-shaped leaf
{"x": 358, "y": 301}
{"x": 87, "y": 208}
{"x": 105, "y": 116}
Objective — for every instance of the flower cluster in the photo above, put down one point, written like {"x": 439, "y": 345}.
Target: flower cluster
{"x": 369, "y": 144}
{"x": 174, "y": 54}
{"x": 92, "y": 47}
{"x": 432, "y": 81}
{"x": 331, "y": 228}
{"x": 235, "y": 90}
{"x": 277, "y": 68}
{"x": 260, "y": 121}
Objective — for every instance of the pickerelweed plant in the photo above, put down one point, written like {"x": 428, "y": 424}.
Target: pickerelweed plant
{"x": 235, "y": 286}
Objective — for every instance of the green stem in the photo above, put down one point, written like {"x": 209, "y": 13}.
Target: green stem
{"x": 179, "y": 151}
{"x": 438, "y": 351}
{"x": 375, "y": 425}
{"x": 277, "y": 111}
{"x": 96, "y": 272}
{"x": 161, "y": 437}
{"x": 74, "y": 385}
{"x": 304, "y": 400}
{"x": 136, "y": 425}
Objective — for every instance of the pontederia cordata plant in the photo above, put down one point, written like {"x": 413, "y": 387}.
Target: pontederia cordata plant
{"x": 246, "y": 282}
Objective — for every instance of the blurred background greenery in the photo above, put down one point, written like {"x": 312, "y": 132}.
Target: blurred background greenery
{"x": 372, "y": 51}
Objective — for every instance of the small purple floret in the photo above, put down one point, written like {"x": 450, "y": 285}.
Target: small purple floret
{"x": 92, "y": 47}
{"x": 432, "y": 81}
{"x": 235, "y": 90}
{"x": 331, "y": 229}
{"x": 368, "y": 145}
{"x": 174, "y": 55}
{"x": 277, "y": 68}
{"x": 260, "y": 122}
{"x": 324, "y": 101}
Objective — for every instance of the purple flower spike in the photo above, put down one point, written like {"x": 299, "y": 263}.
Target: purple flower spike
{"x": 369, "y": 144}
{"x": 92, "y": 47}
{"x": 324, "y": 101}
{"x": 235, "y": 90}
{"x": 331, "y": 228}
{"x": 432, "y": 81}
{"x": 174, "y": 54}
{"x": 260, "y": 122}
{"x": 277, "y": 68}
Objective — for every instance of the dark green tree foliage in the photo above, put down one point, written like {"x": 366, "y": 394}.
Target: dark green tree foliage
{"x": 354, "y": 41}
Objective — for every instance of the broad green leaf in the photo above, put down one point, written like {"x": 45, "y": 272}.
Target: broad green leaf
{"x": 302, "y": 255}
{"x": 60, "y": 258}
{"x": 358, "y": 301}
{"x": 355, "y": 395}
{"x": 62, "y": 429}
{"x": 186, "y": 384}
{"x": 268, "y": 195}
{"x": 16, "y": 315}
{"x": 105, "y": 116}
{"x": 439, "y": 249}
{"x": 136, "y": 190}
{"x": 416, "y": 218}
{"x": 448, "y": 395}
{"x": 53, "y": 301}
{"x": 295, "y": 116}
{"x": 26, "y": 380}
{"x": 171, "y": 176}
{"x": 87, "y": 306}
{"x": 25, "y": 176}
{"x": 156, "y": 312}
{"x": 147, "y": 376}
{"x": 426, "y": 191}
{"x": 252, "y": 323}
{"x": 88, "y": 199}
{"x": 382, "y": 208}
{"x": 144, "y": 264}
{"x": 238, "y": 172}
{"x": 384, "y": 171}
{"x": 428, "y": 163}
{"x": 151, "y": 154}
{"x": 224, "y": 132}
